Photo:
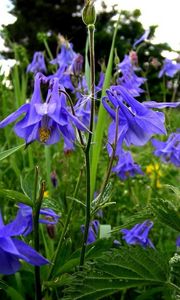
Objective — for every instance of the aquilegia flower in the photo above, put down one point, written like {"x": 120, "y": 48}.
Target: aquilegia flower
{"x": 138, "y": 235}
{"x": 66, "y": 55}
{"x": 37, "y": 64}
{"x": 46, "y": 121}
{"x": 23, "y": 223}
{"x": 12, "y": 250}
{"x": 137, "y": 123}
{"x": 126, "y": 167}
{"x": 169, "y": 68}
{"x": 169, "y": 151}
{"x": 93, "y": 231}
{"x": 129, "y": 79}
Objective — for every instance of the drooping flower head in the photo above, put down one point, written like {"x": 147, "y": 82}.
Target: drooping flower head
{"x": 129, "y": 79}
{"x": 93, "y": 231}
{"x": 169, "y": 151}
{"x": 136, "y": 122}
{"x": 46, "y": 121}
{"x": 37, "y": 64}
{"x": 12, "y": 250}
{"x": 138, "y": 235}
{"x": 126, "y": 167}
{"x": 66, "y": 55}
{"x": 169, "y": 68}
{"x": 23, "y": 223}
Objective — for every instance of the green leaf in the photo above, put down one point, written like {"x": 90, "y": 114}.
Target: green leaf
{"x": 10, "y": 291}
{"x": 27, "y": 183}
{"x": 174, "y": 264}
{"x": 167, "y": 213}
{"x": 99, "y": 131}
{"x": 8, "y": 152}
{"x": 15, "y": 196}
{"x": 118, "y": 269}
{"x": 68, "y": 263}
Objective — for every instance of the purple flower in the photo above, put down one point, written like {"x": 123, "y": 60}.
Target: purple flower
{"x": 178, "y": 241}
{"x": 12, "y": 250}
{"x": 169, "y": 68}
{"x": 137, "y": 123}
{"x": 93, "y": 231}
{"x": 126, "y": 167}
{"x": 142, "y": 38}
{"x": 63, "y": 77}
{"x": 169, "y": 151}
{"x": 76, "y": 65}
{"x": 54, "y": 179}
{"x": 138, "y": 235}
{"x": 37, "y": 64}
{"x": 23, "y": 223}
{"x": 66, "y": 55}
{"x": 45, "y": 121}
{"x": 129, "y": 79}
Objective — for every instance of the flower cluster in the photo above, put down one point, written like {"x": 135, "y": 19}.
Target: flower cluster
{"x": 126, "y": 166}
{"x": 46, "y": 121}
{"x": 169, "y": 68}
{"x": 37, "y": 64}
{"x": 169, "y": 151}
{"x": 138, "y": 235}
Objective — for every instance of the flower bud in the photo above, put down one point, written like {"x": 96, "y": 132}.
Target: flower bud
{"x": 89, "y": 13}
{"x": 54, "y": 179}
{"x": 51, "y": 230}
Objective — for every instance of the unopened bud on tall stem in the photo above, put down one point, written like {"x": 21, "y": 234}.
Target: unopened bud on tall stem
{"x": 89, "y": 13}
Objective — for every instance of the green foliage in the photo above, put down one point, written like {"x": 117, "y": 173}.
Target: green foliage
{"x": 8, "y": 152}
{"x": 118, "y": 270}
{"x": 167, "y": 212}
{"x": 15, "y": 196}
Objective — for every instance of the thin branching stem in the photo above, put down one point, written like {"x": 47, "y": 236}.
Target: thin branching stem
{"x": 54, "y": 260}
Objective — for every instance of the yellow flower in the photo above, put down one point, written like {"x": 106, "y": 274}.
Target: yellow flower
{"x": 153, "y": 169}
{"x": 46, "y": 194}
{"x": 154, "y": 173}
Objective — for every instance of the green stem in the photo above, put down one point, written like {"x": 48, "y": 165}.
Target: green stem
{"x": 108, "y": 173}
{"x": 47, "y": 152}
{"x": 102, "y": 115}
{"x": 36, "y": 211}
{"x": 48, "y": 49}
{"x": 91, "y": 29}
{"x": 88, "y": 209}
{"x": 65, "y": 227}
{"x": 164, "y": 89}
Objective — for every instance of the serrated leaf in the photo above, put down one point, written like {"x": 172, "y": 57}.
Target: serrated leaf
{"x": 117, "y": 270}
{"x": 8, "y": 152}
{"x": 15, "y": 196}
{"x": 167, "y": 213}
{"x": 92, "y": 251}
